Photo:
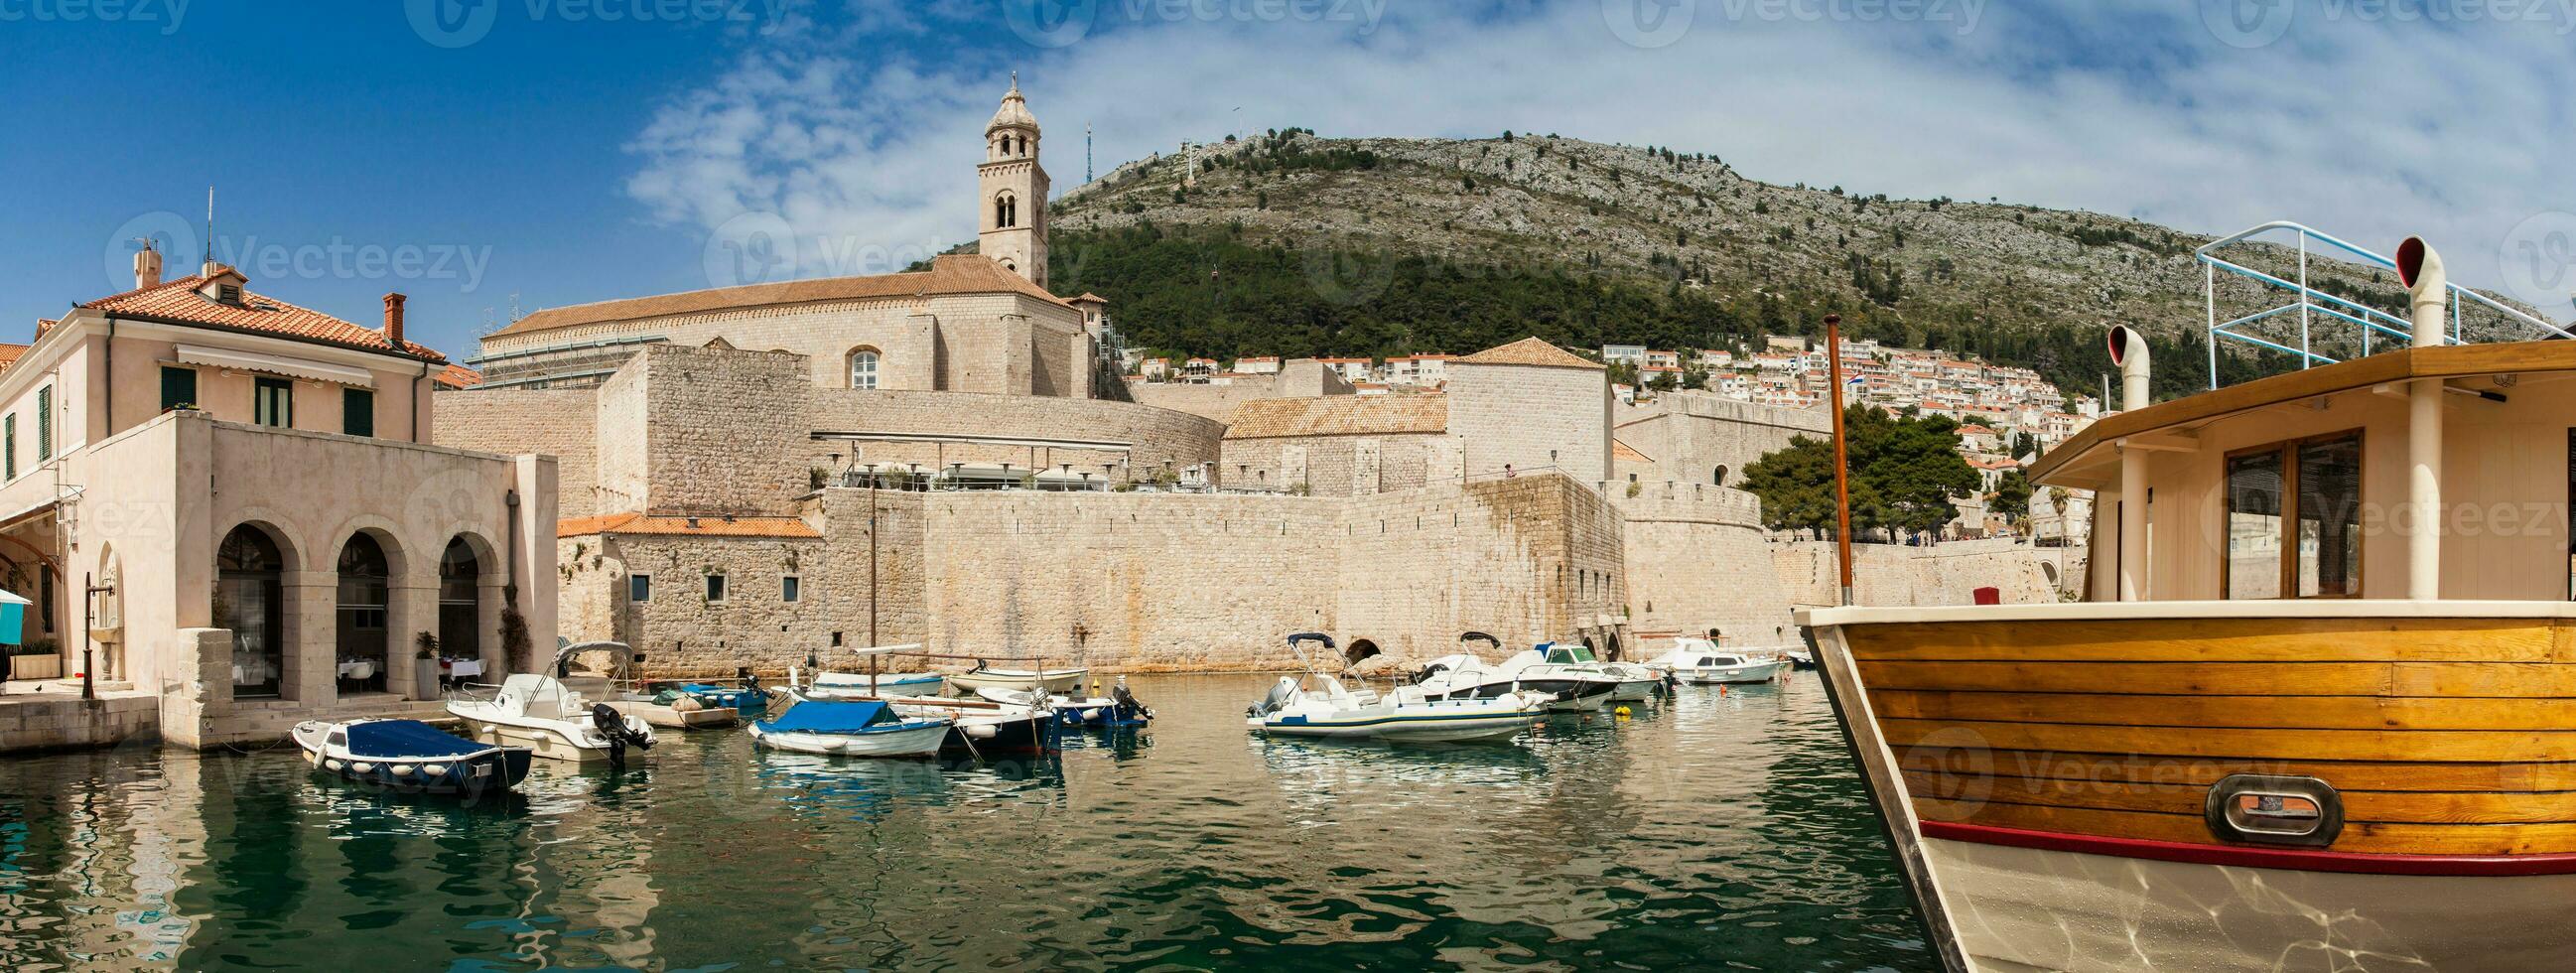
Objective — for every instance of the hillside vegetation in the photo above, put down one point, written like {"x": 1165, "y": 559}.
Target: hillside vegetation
{"x": 1288, "y": 244}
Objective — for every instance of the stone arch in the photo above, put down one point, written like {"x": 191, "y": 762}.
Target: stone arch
{"x": 1006, "y": 210}
{"x": 250, "y": 598}
{"x": 1720, "y": 478}
{"x": 1360, "y": 650}
{"x": 364, "y": 571}
{"x": 2048, "y": 570}
{"x": 1610, "y": 647}
{"x": 864, "y": 367}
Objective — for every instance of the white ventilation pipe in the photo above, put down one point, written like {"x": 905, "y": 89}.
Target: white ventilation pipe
{"x": 2427, "y": 290}
{"x": 2129, "y": 352}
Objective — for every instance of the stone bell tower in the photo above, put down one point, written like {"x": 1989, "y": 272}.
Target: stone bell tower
{"x": 1012, "y": 190}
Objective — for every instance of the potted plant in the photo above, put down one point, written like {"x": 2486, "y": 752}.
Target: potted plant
{"x": 424, "y": 665}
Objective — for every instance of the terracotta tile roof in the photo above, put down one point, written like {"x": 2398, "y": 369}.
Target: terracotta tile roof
{"x": 1340, "y": 415}
{"x": 9, "y": 354}
{"x": 951, "y": 274}
{"x": 459, "y": 377}
{"x": 703, "y": 526}
{"x": 178, "y": 300}
{"x": 1622, "y": 451}
{"x": 1530, "y": 351}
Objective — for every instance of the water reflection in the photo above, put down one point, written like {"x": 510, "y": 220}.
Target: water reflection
{"x": 1724, "y": 827}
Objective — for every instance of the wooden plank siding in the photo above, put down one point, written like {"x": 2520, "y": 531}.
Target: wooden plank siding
{"x": 2443, "y": 736}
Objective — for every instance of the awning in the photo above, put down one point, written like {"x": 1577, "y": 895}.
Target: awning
{"x": 251, "y": 361}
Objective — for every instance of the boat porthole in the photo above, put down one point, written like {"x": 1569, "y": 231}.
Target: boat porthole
{"x": 2274, "y": 810}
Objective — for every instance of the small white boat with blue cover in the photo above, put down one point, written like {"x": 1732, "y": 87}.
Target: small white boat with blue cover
{"x": 851, "y": 729}
{"x": 1318, "y": 705}
{"x": 411, "y": 756}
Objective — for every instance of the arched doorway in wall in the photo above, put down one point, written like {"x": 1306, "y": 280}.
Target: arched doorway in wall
{"x": 460, "y": 576}
{"x": 361, "y": 661}
{"x": 1609, "y": 647}
{"x": 250, "y": 599}
{"x": 1359, "y": 650}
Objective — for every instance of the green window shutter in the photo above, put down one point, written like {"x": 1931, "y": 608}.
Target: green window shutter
{"x": 44, "y": 423}
{"x": 358, "y": 412}
{"x": 178, "y": 388}
{"x": 9, "y": 443}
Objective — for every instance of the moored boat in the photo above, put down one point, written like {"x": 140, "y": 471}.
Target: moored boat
{"x": 984, "y": 676}
{"x": 1699, "y": 662}
{"x": 1319, "y": 705}
{"x": 861, "y": 685}
{"x": 409, "y": 756}
{"x": 2303, "y": 719}
{"x": 551, "y": 720}
{"x": 850, "y": 729}
{"x": 1566, "y": 673}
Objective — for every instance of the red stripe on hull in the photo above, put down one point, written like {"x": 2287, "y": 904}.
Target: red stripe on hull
{"x": 2248, "y": 857}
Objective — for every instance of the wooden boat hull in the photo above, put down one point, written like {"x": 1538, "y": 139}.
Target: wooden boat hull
{"x": 1055, "y": 680}
{"x": 2063, "y": 784}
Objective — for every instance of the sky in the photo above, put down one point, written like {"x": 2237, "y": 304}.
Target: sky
{"x": 485, "y": 155}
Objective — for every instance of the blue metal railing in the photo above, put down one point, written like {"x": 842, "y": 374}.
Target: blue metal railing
{"x": 2310, "y": 302}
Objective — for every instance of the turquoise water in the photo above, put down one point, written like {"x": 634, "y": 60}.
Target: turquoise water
{"x": 1723, "y": 831}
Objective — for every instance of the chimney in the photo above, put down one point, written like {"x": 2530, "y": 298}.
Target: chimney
{"x": 147, "y": 267}
{"x": 394, "y": 320}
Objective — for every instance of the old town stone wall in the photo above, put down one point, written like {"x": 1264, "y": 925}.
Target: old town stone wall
{"x": 562, "y": 423}
{"x": 1697, "y": 561}
{"x": 1694, "y": 437}
{"x": 1891, "y": 575}
{"x": 1531, "y": 418}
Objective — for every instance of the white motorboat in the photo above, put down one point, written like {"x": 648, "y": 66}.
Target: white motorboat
{"x": 1638, "y": 682}
{"x": 1567, "y": 674}
{"x": 861, "y": 685}
{"x": 1699, "y": 662}
{"x": 1318, "y": 705}
{"x": 984, "y": 676}
{"x": 540, "y": 713}
{"x": 1117, "y": 709}
{"x": 851, "y": 729}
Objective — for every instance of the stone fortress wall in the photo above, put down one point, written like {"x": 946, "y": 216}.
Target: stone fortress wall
{"x": 1694, "y": 437}
{"x": 1402, "y": 559}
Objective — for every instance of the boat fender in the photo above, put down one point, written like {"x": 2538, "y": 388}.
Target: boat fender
{"x": 363, "y": 768}
{"x": 435, "y": 770}
{"x": 980, "y": 732}
{"x": 1621, "y": 712}
{"x": 333, "y": 764}
{"x": 402, "y": 770}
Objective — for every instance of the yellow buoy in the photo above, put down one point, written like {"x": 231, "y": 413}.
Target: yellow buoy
{"x": 1621, "y": 712}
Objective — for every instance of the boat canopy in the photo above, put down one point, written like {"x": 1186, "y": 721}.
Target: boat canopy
{"x": 407, "y": 738}
{"x": 832, "y": 716}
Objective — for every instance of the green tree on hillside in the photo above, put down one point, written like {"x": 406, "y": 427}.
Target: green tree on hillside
{"x": 2012, "y": 495}
{"x": 1904, "y": 470}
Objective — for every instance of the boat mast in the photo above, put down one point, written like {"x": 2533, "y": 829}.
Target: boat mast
{"x": 1842, "y": 458}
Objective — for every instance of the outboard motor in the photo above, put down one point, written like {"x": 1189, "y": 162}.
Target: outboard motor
{"x": 612, "y": 725}
{"x": 1127, "y": 707}
{"x": 1279, "y": 693}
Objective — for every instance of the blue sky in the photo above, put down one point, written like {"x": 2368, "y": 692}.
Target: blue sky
{"x": 463, "y": 151}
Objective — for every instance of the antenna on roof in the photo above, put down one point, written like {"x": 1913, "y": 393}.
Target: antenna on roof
{"x": 1086, "y": 152}
{"x": 209, "y": 268}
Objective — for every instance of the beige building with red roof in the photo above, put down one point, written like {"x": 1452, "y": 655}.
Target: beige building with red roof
{"x": 246, "y": 490}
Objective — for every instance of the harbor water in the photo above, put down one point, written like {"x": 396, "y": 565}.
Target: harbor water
{"x": 1722, "y": 830}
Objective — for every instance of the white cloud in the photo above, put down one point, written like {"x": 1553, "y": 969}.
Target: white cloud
{"x": 2352, "y": 121}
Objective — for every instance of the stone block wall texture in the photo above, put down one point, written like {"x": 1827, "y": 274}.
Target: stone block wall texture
{"x": 963, "y": 342}
{"x": 720, "y": 432}
{"x": 1690, "y": 436}
{"x": 1123, "y": 581}
{"x": 1531, "y": 418}
{"x": 1215, "y": 402}
{"x": 1697, "y": 560}
{"x": 1341, "y": 466}
{"x": 563, "y": 423}
{"x": 1889, "y": 575}
{"x": 1158, "y": 439}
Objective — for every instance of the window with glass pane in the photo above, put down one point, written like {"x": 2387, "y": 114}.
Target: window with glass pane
{"x": 2329, "y": 511}
{"x": 863, "y": 369}
{"x": 273, "y": 402}
{"x": 2254, "y": 525}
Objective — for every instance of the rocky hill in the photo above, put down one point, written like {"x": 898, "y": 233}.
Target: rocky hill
{"x": 1291, "y": 244}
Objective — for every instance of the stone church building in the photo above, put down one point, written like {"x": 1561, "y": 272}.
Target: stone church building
{"x": 754, "y": 475}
